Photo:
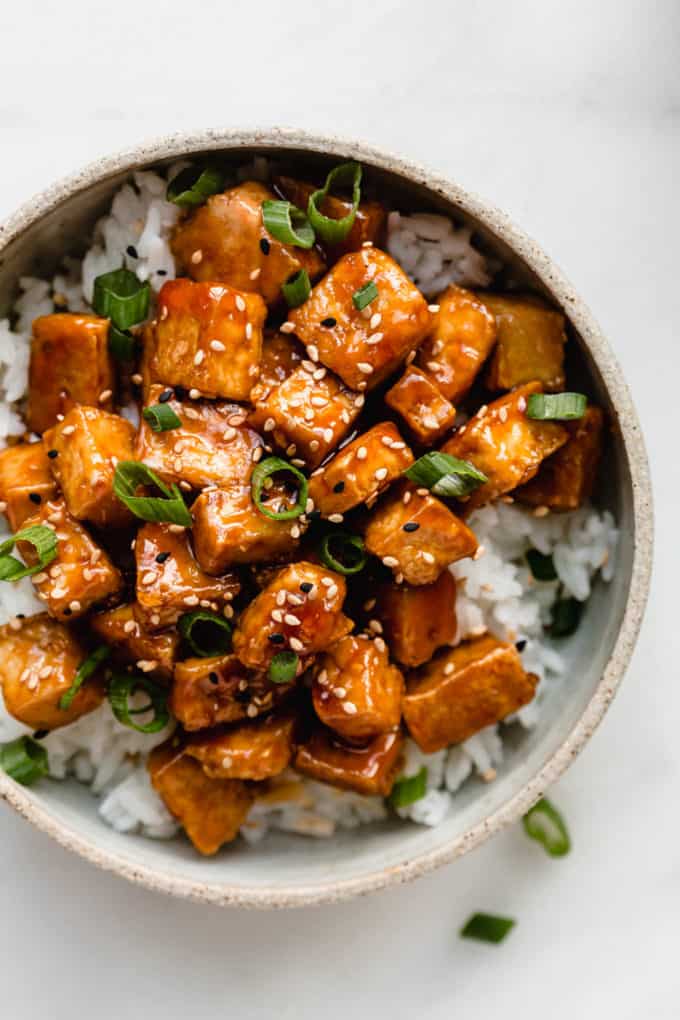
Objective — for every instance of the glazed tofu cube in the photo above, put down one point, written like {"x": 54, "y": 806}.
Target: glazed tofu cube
{"x": 81, "y": 576}
{"x": 463, "y": 690}
{"x": 299, "y": 610}
{"x": 39, "y": 659}
{"x": 360, "y": 471}
{"x": 505, "y": 445}
{"x": 70, "y": 364}
{"x": 254, "y": 750}
{"x": 120, "y": 629}
{"x": 219, "y": 689}
{"x": 363, "y": 349}
{"x": 88, "y": 444}
{"x": 420, "y": 402}
{"x": 531, "y": 339}
{"x": 566, "y": 479}
{"x": 281, "y": 355}
{"x": 418, "y": 620}
{"x": 357, "y": 691}
{"x": 226, "y": 240}
{"x": 170, "y": 582}
{"x": 462, "y": 337}
{"x": 207, "y": 337}
{"x": 369, "y": 223}
{"x": 25, "y": 481}
{"x": 211, "y": 811}
{"x": 417, "y": 536}
{"x": 369, "y": 770}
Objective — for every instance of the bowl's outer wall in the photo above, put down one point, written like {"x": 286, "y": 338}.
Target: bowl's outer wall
{"x": 286, "y": 871}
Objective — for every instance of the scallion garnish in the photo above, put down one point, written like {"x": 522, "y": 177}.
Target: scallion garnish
{"x": 121, "y": 688}
{"x": 363, "y": 297}
{"x": 271, "y": 466}
{"x": 297, "y": 288}
{"x": 161, "y": 418}
{"x": 541, "y": 565}
{"x": 170, "y": 506}
{"x": 409, "y": 789}
{"x": 193, "y": 185}
{"x": 342, "y": 552}
{"x": 44, "y": 542}
{"x": 89, "y": 666}
{"x": 206, "y": 633}
{"x": 487, "y": 928}
{"x": 283, "y": 667}
{"x": 566, "y": 615}
{"x": 24, "y": 760}
{"x": 556, "y": 406}
{"x": 329, "y": 230}
{"x": 122, "y": 344}
{"x": 445, "y": 475}
{"x": 121, "y": 297}
{"x": 287, "y": 223}
{"x": 545, "y": 824}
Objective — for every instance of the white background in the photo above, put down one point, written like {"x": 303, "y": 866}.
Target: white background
{"x": 566, "y": 115}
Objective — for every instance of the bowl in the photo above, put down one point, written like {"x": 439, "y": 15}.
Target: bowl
{"x": 290, "y": 870}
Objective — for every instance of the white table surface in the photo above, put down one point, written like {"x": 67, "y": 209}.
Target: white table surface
{"x": 566, "y": 115}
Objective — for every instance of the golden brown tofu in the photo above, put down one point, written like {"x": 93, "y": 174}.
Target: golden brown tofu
{"x": 207, "y": 337}
{"x": 418, "y": 620}
{"x": 219, "y": 689}
{"x": 255, "y": 750}
{"x": 281, "y": 355}
{"x": 303, "y": 618}
{"x": 360, "y": 471}
{"x": 420, "y": 402}
{"x": 211, "y": 811}
{"x": 531, "y": 339}
{"x": 462, "y": 336}
{"x": 121, "y": 630}
{"x": 363, "y": 349}
{"x": 70, "y": 364}
{"x": 89, "y": 443}
{"x": 416, "y": 535}
{"x": 357, "y": 691}
{"x": 461, "y": 691}
{"x": 370, "y": 770}
{"x": 226, "y": 240}
{"x": 25, "y": 481}
{"x": 39, "y": 659}
{"x": 369, "y": 223}
{"x": 81, "y": 576}
{"x": 170, "y": 582}
{"x": 505, "y": 445}
{"x": 566, "y": 479}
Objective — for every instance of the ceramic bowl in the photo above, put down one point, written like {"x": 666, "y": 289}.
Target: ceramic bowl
{"x": 291, "y": 870}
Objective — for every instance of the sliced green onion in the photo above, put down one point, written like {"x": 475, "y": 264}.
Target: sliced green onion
{"x": 121, "y": 297}
{"x": 365, "y": 295}
{"x": 342, "y": 552}
{"x": 445, "y": 475}
{"x": 556, "y": 406}
{"x": 541, "y": 565}
{"x": 330, "y": 230}
{"x": 487, "y": 928}
{"x": 283, "y": 667}
{"x": 271, "y": 466}
{"x": 122, "y": 344}
{"x": 287, "y": 223}
{"x": 566, "y": 616}
{"x": 206, "y": 633}
{"x": 90, "y": 665}
{"x": 409, "y": 789}
{"x": 545, "y": 824}
{"x": 43, "y": 540}
{"x": 161, "y": 418}
{"x": 121, "y": 688}
{"x": 297, "y": 288}
{"x": 24, "y": 760}
{"x": 169, "y": 507}
{"x": 192, "y": 186}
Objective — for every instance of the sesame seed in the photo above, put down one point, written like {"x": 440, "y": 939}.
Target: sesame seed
{"x": 427, "y": 556}
{"x": 313, "y": 352}
{"x": 411, "y": 526}
{"x": 332, "y": 591}
{"x": 422, "y": 492}
{"x": 362, "y": 385}
{"x": 314, "y": 445}
{"x": 255, "y": 273}
{"x": 365, "y": 367}
{"x": 269, "y": 425}
{"x": 291, "y": 620}
{"x": 522, "y": 404}
{"x": 104, "y": 396}
{"x": 381, "y": 474}
{"x": 448, "y": 669}
{"x": 39, "y": 578}
{"x": 3, "y": 507}
{"x": 68, "y": 430}
{"x": 295, "y": 531}
{"x": 306, "y": 587}
{"x": 362, "y": 453}
{"x": 375, "y": 339}
{"x": 329, "y": 322}
{"x": 294, "y": 600}
{"x": 228, "y": 612}
{"x": 280, "y": 598}
{"x": 149, "y": 577}
{"x": 297, "y": 462}
{"x": 251, "y": 711}
{"x": 217, "y": 345}
{"x": 137, "y": 379}
{"x": 369, "y": 604}
{"x": 479, "y": 552}
{"x": 194, "y": 394}
{"x": 322, "y": 677}
{"x": 375, "y": 626}
{"x": 375, "y": 320}
{"x": 359, "y": 400}
{"x": 399, "y": 578}
{"x": 411, "y": 357}
{"x": 296, "y": 644}
{"x": 390, "y": 561}
{"x": 89, "y": 574}
{"x": 286, "y": 327}
{"x": 75, "y": 606}
{"x": 277, "y": 615}
{"x": 196, "y": 256}
{"x": 256, "y": 454}
{"x": 198, "y": 357}
{"x": 178, "y": 465}
{"x": 503, "y": 414}
{"x": 336, "y": 518}
{"x": 433, "y": 308}
{"x": 129, "y": 626}
{"x": 309, "y": 506}
{"x": 176, "y": 528}
{"x": 236, "y": 419}
{"x": 482, "y": 411}
{"x": 349, "y": 707}
{"x": 328, "y": 435}
{"x": 229, "y": 433}
{"x": 541, "y": 511}
{"x": 340, "y": 692}
{"x": 319, "y": 374}
{"x": 240, "y": 303}
{"x": 318, "y": 401}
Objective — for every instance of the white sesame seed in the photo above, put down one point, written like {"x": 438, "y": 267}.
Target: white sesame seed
{"x": 178, "y": 465}
{"x": 314, "y": 445}
{"x": 251, "y": 711}
{"x": 287, "y": 327}
{"x": 375, "y": 626}
{"x": 319, "y": 374}
{"x": 196, "y": 256}
{"x": 277, "y": 615}
{"x": 309, "y": 505}
{"x": 340, "y": 692}
{"x": 541, "y": 511}
{"x": 3, "y": 506}
{"x": 322, "y": 677}
{"x": 229, "y": 433}
{"x": 349, "y": 707}
{"x": 328, "y": 435}
{"x": 198, "y": 357}
{"x": 45, "y": 672}
{"x": 410, "y": 357}
{"x": 362, "y": 385}
{"x": 362, "y": 453}
{"x": 104, "y": 396}
{"x": 295, "y": 531}
{"x": 255, "y": 273}
{"x": 236, "y": 419}
{"x": 433, "y": 308}
{"x": 375, "y": 320}
{"x": 240, "y": 303}
{"x": 522, "y": 404}
{"x": 422, "y": 492}
{"x": 228, "y": 612}
{"x": 297, "y": 462}
{"x": 386, "y": 440}
{"x": 313, "y": 352}
{"x": 176, "y": 528}
{"x": 280, "y": 598}
{"x": 390, "y": 561}
{"x": 75, "y": 606}
{"x": 427, "y": 556}
{"x": 332, "y": 591}
{"x": 291, "y": 620}
{"x": 365, "y": 367}
{"x": 336, "y": 518}
{"x": 318, "y": 402}
{"x": 149, "y": 577}
{"x": 194, "y": 394}
{"x": 448, "y": 669}
{"x": 129, "y": 626}
{"x": 39, "y": 578}
{"x": 296, "y": 644}
{"x": 68, "y": 430}
{"x": 381, "y": 474}
{"x": 191, "y": 600}
{"x": 269, "y": 425}
{"x": 217, "y": 345}
{"x": 359, "y": 400}
{"x": 256, "y": 454}
{"x": 479, "y": 552}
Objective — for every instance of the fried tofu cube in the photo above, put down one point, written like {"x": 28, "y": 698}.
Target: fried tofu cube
{"x": 211, "y": 811}
{"x": 369, "y": 222}
{"x": 70, "y": 364}
{"x": 370, "y": 770}
{"x": 207, "y": 337}
{"x": 360, "y": 471}
{"x": 25, "y": 481}
{"x": 420, "y": 402}
{"x": 565, "y": 480}
{"x": 418, "y": 620}
{"x": 462, "y": 337}
{"x": 281, "y": 355}
{"x": 417, "y": 536}
{"x": 89, "y": 443}
{"x": 207, "y": 692}
{"x": 299, "y": 610}
{"x": 255, "y": 750}
{"x": 226, "y": 240}
{"x": 505, "y": 445}
{"x": 121, "y": 630}
{"x": 531, "y": 339}
{"x": 170, "y": 582}
{"x": 39, "y": 659}
{"x": 357, "y": 692}
{"x": 362, "y": 349}
{"x": 462, "y": 691}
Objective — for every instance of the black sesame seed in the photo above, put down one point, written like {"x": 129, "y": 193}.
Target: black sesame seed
{"x": 277, "y": 639}
{"x": 264, "y": 246}
{"x": 35, "y": 498}
{"x": 339, "y": 487}
{"x": 161, "y": 272}
{"x": 39, "y": 734}
{"x": 162, "y": 557}
{"x": 21, "y": 616}
{"x": 67, "y": 612}
{"x": 132, "y": 251}
{"x": 165, "y": 396}
{"x": 520, "y": 646}
{"x": 411, "y": 526}
{"x": 213, "y": 678}
{"x": 330, "y": 322}
{"x": 52, "y": 454}
{"x": 306, "y": 587}
{"x": 180, "y": 393}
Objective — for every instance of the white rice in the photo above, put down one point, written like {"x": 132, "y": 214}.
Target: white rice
{"x": 496, "y": 592}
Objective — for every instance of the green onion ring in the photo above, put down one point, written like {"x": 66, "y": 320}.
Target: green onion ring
{"x": 129, "y": 475}
{"x": 161, "y": 418}
{"x": 193, "y": 185}
{"x": 362, "y": 298}
{"x": 121, "y": 297}
{"x": 43, "y": 540}
{"x": 297, "y": 288}
{"x": 545, "y": 824}
{"x": 349, "y": 559}
{"x": 85, "y": 670}
{"x": 288, "y": 224}
{"x": 487, "y": 928}
{"x": 193, "y": 628}
{"x": 445, "y": 475}
{"x": 121, "y": 688}
{"x": 329, "y": 230}
{"x": 24, "y": 760}
{"x": 270, "y": 466}
{"x": 556, "y": 406}
{"x": 409, "y": 789}
{"x": 283, "y": 667}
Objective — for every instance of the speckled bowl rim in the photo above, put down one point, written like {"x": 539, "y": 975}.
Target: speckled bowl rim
{"x": 176, "y": 145}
